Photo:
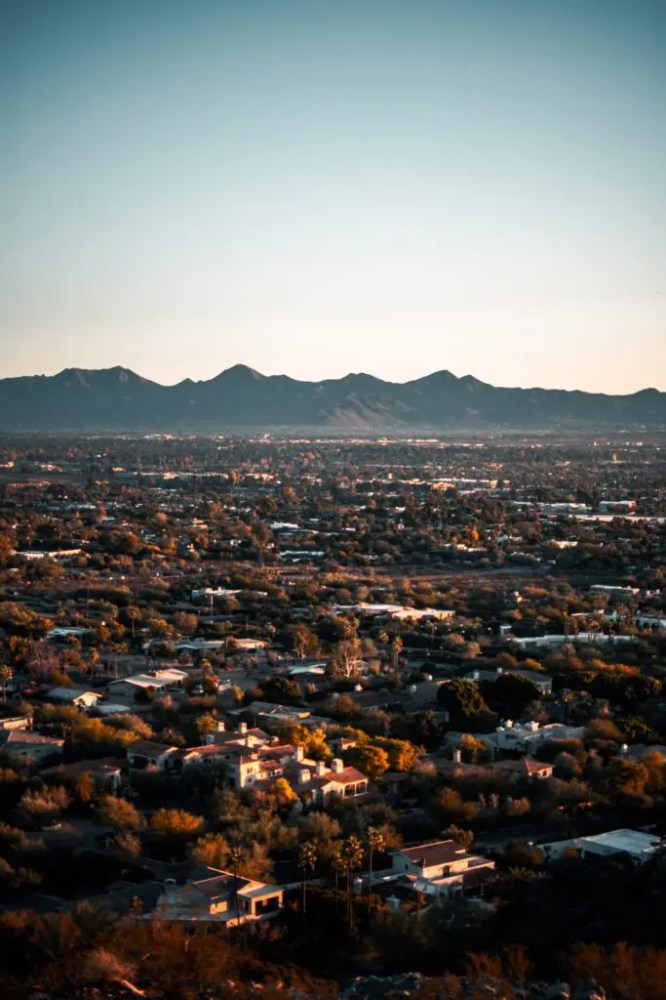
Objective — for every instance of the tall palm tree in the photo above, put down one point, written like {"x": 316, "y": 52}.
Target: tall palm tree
{"x": 374, "y": 839}
{"x": 396, "y": 650}
{"x": 235, "y": 860}
{"x": 352, "y": 855}
{"x": 307, "y": 859}
{"x": 133, "y": 614}
{"x": 338, "y": 865}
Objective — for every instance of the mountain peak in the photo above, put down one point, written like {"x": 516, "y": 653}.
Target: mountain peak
{"x": 443, "y": 375}
{"x": 361, "y": 378}
{"x": 100, "y": 377}
{"x": 239, "y": 371}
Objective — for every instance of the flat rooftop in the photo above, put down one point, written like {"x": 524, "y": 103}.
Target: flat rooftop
{"x": 631, "y": 841}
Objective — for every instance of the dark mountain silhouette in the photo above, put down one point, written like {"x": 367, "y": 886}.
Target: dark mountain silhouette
{"x": 116, "y": 399}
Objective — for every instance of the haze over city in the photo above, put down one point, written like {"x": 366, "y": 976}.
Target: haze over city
{"x": 317, "y": 188}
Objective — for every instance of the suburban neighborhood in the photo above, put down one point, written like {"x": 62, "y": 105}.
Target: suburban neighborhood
{"x": 409, "y": 693}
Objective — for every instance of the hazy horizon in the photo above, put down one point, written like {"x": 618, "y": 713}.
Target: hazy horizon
{"x": 314, "y": 189}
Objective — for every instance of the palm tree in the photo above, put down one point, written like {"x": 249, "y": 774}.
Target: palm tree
{"x": 6, "y": 674}
{"x": 307, "y": 859}
{"x": 133, "y": 614}
{"x": 396, "y": 650}
{"x": 338, "y": 865}
{"x": 235, "y": 860}
{"x": 374, "y": 839}
{"x": 463, "y": 837}
{"x": 93, "y": 660}
{"x": 352, "y": 856}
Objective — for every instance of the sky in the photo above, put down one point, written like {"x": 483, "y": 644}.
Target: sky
{"x": 313, "y": 187}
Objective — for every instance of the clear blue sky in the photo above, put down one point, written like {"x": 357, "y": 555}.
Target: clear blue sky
{"x": 391, "y": 186}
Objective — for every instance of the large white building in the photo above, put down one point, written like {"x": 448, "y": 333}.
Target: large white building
{"x": 639, "y": 846}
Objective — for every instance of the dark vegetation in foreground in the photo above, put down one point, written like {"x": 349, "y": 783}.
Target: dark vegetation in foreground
{"x": 604, "y": 919}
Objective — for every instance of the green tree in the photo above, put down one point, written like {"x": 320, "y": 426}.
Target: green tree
{"x": 371, "y": 760}
{"x": 510, "y": 694}
{"x": 465, "y": 704}
{"x": 402, "y": 755}
{"x": 119, "y": 813}
{"x": 463, "y": 837}
{"x": 170, "y": 823}
{"x": 84, "y": 787}
{"x": 283, "y": 793}
{"x": 44, "y": 806}
{"x": 211, "y": 850}
{"x": 6, "y": 675}
{"x": 452, "y": 808}
{"x": 128, "y": 843}
{"x": 205, "y": 725}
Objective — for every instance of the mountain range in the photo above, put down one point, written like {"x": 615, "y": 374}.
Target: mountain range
{"x": 117, "y": 399}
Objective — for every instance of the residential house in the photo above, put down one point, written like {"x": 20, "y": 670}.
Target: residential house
{"x": 243, "y": 767}
{"x": 242, "y": 737}
{"x": 28, "y": 748}
{"x": 14, "y": 722}
{"x": 251, "y": 645}
{"x": 106, "y": 773}
{"x": 555, "y": 639}
{"x": 640, "y": 847}
{"x": 316, "y": 782}
{"x": 441, "y": 868}
{"x": 218, "y": 896}
{"x": 527, "y": 736}
{"x": 144, "y": 755}
{"x": 524, "y": 768}
{"x": 543, "y": 682}
{"x": 656, "y": 623}
{"x": 282, "y": 715}
{"x": 427, "y": 614}
{"x": 258, "y": 767}
{"x": 512, "y": 737}
{"x": 421, "y": 695}
{"x": 60, "y": 633}
{"x": 622, "y": 593}
{"x": 78, "y": 697}
{"x": 159, "y": 681}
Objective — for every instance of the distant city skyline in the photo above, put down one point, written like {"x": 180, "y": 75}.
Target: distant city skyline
{"x": 315, "y": 188}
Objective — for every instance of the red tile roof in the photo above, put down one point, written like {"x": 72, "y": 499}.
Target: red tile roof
{"x": 344, "y": 777}
{"x": 24, "y": 738}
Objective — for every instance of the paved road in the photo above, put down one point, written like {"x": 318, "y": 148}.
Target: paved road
{"x": 77, "y": 832}
{"x": 526, "y": 832}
